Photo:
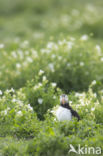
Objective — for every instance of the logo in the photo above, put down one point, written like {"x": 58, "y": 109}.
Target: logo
{"x": 85, "y": 150}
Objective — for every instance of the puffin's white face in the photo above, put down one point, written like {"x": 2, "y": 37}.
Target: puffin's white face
{"x": 63, "y": 99}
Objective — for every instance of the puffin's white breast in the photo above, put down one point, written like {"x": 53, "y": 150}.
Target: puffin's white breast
{"x": 63, "y": 114}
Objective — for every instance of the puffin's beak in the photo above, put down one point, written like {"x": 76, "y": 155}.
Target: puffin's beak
{"x": 63, "y": 100}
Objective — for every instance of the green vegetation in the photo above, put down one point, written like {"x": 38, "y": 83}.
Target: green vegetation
{"x": 47, "y": 48}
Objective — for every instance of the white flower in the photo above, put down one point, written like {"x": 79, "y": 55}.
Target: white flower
{"x": 51, "y": 45}
{"x": 78, "y": 94}
{"x": 19, "y": 113}
{"x": 7, "y": 91}
{"x": 52, "y": 111}
{"x": 98, "y": 48}
{"x": 54, "y": 97}
{"x": 29, "y": 59}
{"x": 14, "y": 54}
{"x": 70, "y": 102}
{"x": 1, "y": 92}
{"x": 101, "y": 59}
{"x": 51, "y": 66}
{"x": 84, "y": 37}
{"x": 1, "y": 46}
{"x": 20, "y": 103}
{"x": 8, "y": 108}
{"x": 41, "y": 72}
{"x": 59, "y": 57}
{"x": 14, "y": 100}
{"x": 29, "y": 107}
{"x": 86, "y": 110}
{"x": 40, "y": 100}
{"x": 5, "y": 112}
{"x": 44, "y": 78}
{"x": 37, "y": 86}
{"x": 81, "y": 63}
{"x": 53, "y": 56}
{"x": 53, "y": 84}
{"x": 12, "y": 89}
{"x": 68, "y": 64}
{"x": 18, "y": 65}
{"x": 93, "y": 82}
{"x": 92, "y": 109}
{"x": 70, "y": 45}
{"x": 95, "y": 95}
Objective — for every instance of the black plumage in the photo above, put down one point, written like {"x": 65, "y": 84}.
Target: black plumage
{"x": 74, "y": 113}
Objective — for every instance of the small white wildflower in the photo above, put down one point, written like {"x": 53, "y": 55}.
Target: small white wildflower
{"x": 68, "y": 64}
{"x": 84, "y": 37}
{"x": 41, "y": 72}
{"x": 52, "y": 111}
{"x": 29, "y": 59}
{"x": 29, "y": 107}
{"x": 25, "y": 44}
{"x": 53, "y": 84}
{"x": 70, "y": 102}
{"x": 51, "y": 66}
{"x": 40, "y": 100}
{"x": 37, "y": 86}
{"x": 54, "y": 119}
{"x": 8, "y": 108}
{"x": 86, "y": 110}
{"x": 101, "y": 59}
{"x": 51, "y": 45}
{"x": 45, "y": 51}
{"x": 95, "y": 95}
{"x": 44, "y": 78}
{"x": 5, "y": 112}
{"x": 81, "y": 63}
{"x": 19, "y": 113}
{"x": 59, "y": 58}
{"x": 20, "y": 103}
{"x": 14, "y": 100}
{"x": 92, "y": 109}
{"x": 54, "y": 97}
{"x": 70, "y": 45}
{"x": 101, "y": 91}
{"x": 12, "y": 89}
{"x": 1, "y": 92}
{"x": 78, "y": 94}
{"x": 18, "y": 65}
{"x": 93, "y": 82}
{"x": 7, "y": 91}
{"x": 53, "y": 56}
{"x": 1, "y": 46}
{"x": 98, "y": 48}
{"x": 14, "y": 54}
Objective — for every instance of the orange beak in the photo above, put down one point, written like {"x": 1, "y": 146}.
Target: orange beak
{"x": 63, "y": 100}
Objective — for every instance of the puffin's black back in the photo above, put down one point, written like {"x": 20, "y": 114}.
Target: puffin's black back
{"x": 74, "y": 113}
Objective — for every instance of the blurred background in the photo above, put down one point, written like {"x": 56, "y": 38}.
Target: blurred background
{"x": 41, "y": 18}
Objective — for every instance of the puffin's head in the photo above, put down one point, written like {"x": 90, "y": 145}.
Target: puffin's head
{"x": 63, "y": 99}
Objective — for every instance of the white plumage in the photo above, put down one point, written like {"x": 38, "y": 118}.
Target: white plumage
{"x": 63, "y": 114}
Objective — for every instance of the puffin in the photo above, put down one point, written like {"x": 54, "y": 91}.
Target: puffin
{"x": 65, "y": 111}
